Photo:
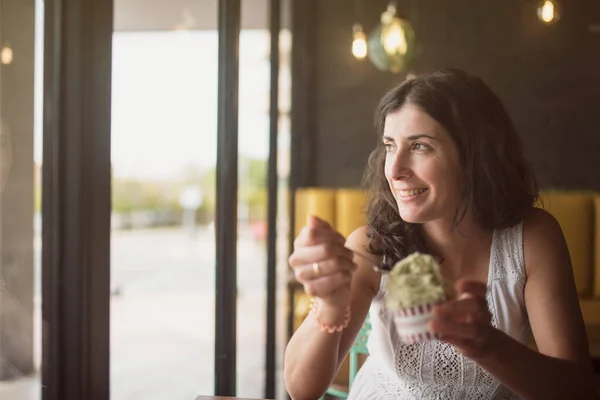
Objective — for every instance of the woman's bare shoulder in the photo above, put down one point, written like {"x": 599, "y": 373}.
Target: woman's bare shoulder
{"x": 540, "y": 218}
{"x": 543, "y": 237}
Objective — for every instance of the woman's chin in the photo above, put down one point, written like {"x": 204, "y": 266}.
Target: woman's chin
{"x": 412, "y": 218}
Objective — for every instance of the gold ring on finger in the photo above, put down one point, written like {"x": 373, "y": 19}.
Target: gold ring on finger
{"x": 316, "y": 268}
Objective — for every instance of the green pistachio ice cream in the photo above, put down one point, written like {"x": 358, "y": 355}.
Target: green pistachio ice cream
{"x": 415, "y": 280}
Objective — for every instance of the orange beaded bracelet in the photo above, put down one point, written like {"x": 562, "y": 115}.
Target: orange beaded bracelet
{"x": 314, "y": 306}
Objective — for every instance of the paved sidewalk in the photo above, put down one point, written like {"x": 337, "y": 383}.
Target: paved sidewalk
{"x": 162, "y": 322}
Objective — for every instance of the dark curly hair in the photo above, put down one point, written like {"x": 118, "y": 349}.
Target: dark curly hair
{"x": 499, "y": 185}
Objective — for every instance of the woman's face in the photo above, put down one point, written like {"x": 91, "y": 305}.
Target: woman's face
{"x": 422, "y": 166}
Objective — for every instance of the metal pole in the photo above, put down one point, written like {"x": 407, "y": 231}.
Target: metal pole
{"x": 76, "y": 200}
{"x": 226, "y": 208}
{"x": 274, "y": 27}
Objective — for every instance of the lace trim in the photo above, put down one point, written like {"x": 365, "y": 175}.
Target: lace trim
{"x": 506, "y": 256}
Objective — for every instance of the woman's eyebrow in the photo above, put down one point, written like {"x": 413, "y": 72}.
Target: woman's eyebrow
{"x": 410, "y": 138}
{"x": 419, "y": 136}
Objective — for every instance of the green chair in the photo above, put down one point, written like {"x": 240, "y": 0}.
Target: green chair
{"x": 359, "y": 347}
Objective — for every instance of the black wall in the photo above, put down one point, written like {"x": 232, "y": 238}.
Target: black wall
{"x": 547, "y": 76}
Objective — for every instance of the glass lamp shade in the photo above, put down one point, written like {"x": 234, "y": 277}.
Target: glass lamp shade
{"x": 393, "y": 46}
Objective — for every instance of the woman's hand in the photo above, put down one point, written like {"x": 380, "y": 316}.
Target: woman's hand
{"x": 323, "y": 264}
{"x": 465, "y": 321}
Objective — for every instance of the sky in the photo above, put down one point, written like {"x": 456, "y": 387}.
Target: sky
{"x": 164, "y": 101}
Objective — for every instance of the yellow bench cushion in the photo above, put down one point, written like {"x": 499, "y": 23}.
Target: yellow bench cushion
{"x": 350, "y": 210}
{"x": 574, "y": 213}
{"x": 314, "y": 201}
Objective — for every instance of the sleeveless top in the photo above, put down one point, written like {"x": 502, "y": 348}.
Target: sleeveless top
{"x": 433, "y": 369}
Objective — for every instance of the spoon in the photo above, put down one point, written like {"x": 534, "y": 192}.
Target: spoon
{"x": 384, "y": 268}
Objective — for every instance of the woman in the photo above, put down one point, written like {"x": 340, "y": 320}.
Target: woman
{"x": 449, "y": 178}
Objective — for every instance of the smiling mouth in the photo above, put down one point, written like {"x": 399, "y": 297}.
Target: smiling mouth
{"x": 411, "y": 193}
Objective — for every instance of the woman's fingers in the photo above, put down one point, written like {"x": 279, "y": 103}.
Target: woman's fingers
{"x": 309, "y": 237}
{"x": 320, "y": 260}
{"x": 309, "y": 254}
{"x": 471, "y": 339}
{"x": 315, "y": 222}
{"x": 452, "y": 329}
{"x": 323, "y": 268}
{"x": 465, "y": 322}
{"x": 327, "y": 285}
{"x": 471, "y": 287}
{"x": 474, "y": 308}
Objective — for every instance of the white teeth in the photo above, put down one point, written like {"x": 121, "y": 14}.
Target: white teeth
{"x": 413, "y": 192}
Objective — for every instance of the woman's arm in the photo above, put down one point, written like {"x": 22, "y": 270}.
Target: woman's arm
{"x": 534, "y": 375}
{"x": 562, "y": 368}
{"x": 312, "y": 357}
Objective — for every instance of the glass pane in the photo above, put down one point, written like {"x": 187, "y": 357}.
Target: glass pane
{"x": 254, "y": 105}
{"x": 164, "y": 113}
{"x": 252, "y": 207}
{"x": 21, "y": 63}
{"x": 164, "y": 158}
{"x": 283, "y": 212}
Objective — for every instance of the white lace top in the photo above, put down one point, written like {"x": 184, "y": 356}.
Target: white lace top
{"x": 433, "y": 369}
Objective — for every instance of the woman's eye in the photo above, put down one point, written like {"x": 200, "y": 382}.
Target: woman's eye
{"x": 420, "y": 147}
{"x": 388, "y": 147}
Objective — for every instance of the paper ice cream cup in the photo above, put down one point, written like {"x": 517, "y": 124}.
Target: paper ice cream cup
{"x": 411, "y": 323}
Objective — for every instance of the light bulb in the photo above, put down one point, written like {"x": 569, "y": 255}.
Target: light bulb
{"x": 359, "y": 42}
{"x": 394, "y": 38}
{"x": 359, "y": 46}
{"x": 6, "y": 55}
{"x": 549, "y": 11}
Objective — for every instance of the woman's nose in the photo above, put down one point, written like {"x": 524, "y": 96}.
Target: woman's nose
{"x": 400, "y": 166}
